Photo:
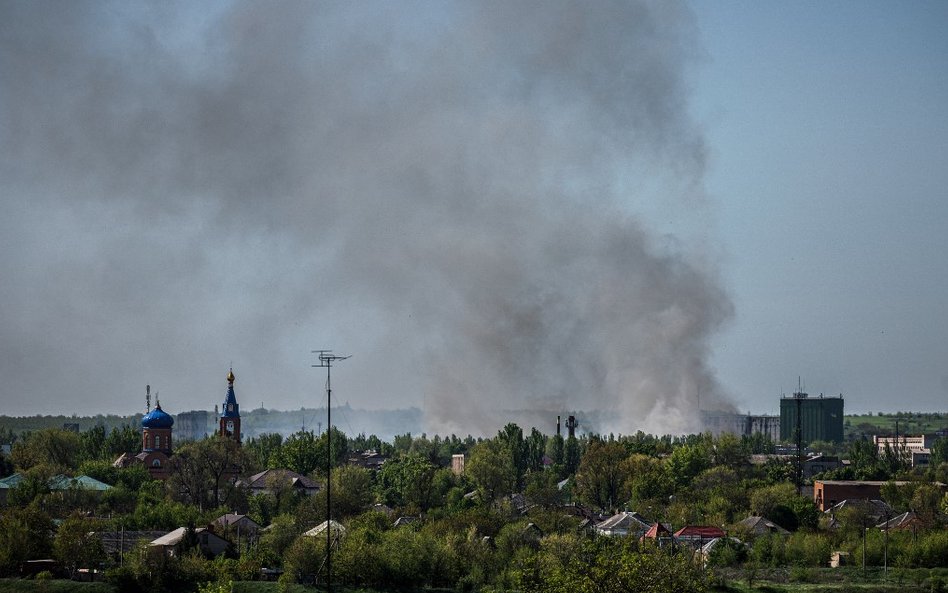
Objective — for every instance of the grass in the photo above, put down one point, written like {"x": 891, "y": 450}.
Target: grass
{"x": 833, "y": 580}
{"x": 67, "y": 586}
{"x": 52, "y": 586}
{"x": 909, "y": 423}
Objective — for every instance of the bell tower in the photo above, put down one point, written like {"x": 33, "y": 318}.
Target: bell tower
{"x": 230, "y": 414}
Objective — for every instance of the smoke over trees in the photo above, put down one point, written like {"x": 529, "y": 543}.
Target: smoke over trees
{"x": 448, "y": 190}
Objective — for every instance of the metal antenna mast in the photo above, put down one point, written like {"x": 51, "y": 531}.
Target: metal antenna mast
{"x": 326, "y": 358}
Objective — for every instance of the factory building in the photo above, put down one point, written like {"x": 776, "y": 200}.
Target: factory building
{"x": 818, "y": 418}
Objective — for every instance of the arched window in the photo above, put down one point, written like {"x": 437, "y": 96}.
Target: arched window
{"x": 156, "y": 463}
{"x": 157, "y": 441}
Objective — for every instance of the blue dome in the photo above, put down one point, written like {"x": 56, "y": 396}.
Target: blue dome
{"x": 157, "y": 418}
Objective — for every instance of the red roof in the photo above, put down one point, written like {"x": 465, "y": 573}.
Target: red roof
{"x": 656, "y": 530}
{"x": 700, "y": 531}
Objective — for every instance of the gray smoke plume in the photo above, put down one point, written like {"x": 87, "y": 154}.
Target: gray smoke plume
{"x": 446, "y": 190}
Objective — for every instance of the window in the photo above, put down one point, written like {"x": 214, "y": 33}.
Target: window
{"x": 156, "y": 463}
{"x": 157, "y": 441}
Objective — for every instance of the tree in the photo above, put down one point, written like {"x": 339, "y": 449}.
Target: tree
{"x": 200, "y": 472}
{"x": 542, "y": 489}
{"x": 554, "y": 449}
{"x": 491, "y": 469}
{"x": 298, "y": 453}
{"x": 127, "y": 439}
{"x": 76, "y": 546}
{"x": 281, "y": 534}
{"x": 686, "y": 462}
{"x": 536, "y": 448}
{"x": 92, "y": 444}
{"x": 263, "y": 451}
{"x": 726, "y": 450}
{"x": 571, "y": 455}
{"x": 334, "y": 445}
{"x": 926, "y": 501}
{"x": 864, "y": 460}
{"x": 304, "y": 557}
{"x": 647, "y": 479}
{"x": 52, "y": 447}
{"x": 512, "y": 438}
{"x": 939, "y": 452}
{"x": 24, "y": 535}
{"x": 407, "y": 481}
{"x": 351, "y": 490}
{"x": 568, "y": 565}
{"x": 602, "y": 472}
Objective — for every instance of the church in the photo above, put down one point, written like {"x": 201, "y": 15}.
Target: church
{"x": 157, "y": 425}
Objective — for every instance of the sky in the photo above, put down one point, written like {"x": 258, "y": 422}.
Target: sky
{"x": 828, "y": 132}
{"x": 640, "y": 208}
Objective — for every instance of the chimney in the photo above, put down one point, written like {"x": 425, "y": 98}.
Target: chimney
{"x": 557, "y": 426}
{"x": 571, "y": 426}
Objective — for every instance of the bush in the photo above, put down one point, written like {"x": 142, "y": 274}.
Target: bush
{"x": 800, "y": 574}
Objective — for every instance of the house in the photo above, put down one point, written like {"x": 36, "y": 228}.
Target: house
{"x": 382, "y": 508}
{"x": 239, "y": 525}
{"x": 813, "y": 465}
{"x": 698, "y": 535}
{"x": 915, "y": 449}
{"x": 58, "y": 483}
{"x": 827, "y": 493}
{"x": 370, "y": 459}
{"x": 337, "y": 528}
{"x": 658, "y": 533}
{"x": 874, "y": 510}
{"x": 457, "y": 464}
{"x": 270, "y": 479}
{"x": 207, "y": 541}
{"x": 62, "y": 482}
{"x": 708, "y": 548}
{"x": 755, "y": 525}
{"x": 839, "y": 558}
{"x": 531, "y": 533}
{"x": 817, "y": 464}
{"x": 623, "y": 524}
{"x": 908, "y": 521}
{"x": 116, "y": 544}
{"x": 405, "y": 520}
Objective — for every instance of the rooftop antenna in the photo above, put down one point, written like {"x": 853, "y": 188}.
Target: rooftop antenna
{"x": 147, "y": 398}
{"x": 326, "y": 358}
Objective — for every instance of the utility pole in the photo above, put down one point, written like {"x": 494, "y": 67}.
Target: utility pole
{"x": 326, "y": 358}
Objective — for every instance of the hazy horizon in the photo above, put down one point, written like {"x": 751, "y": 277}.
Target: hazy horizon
{"x": 627, "y": 206}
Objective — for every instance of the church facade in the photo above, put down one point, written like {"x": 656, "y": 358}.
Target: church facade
{"x": 157, "y": 448}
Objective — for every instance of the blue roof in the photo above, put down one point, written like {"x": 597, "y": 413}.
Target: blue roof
{"x": 11, "y": 481}
{"x": 157, "y": 418}
{"x": 59, "y": 482}
{"x": 83, "y": 482}
{"x": 231, "y": 407}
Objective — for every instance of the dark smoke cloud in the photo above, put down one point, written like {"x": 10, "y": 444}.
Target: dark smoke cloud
{"x": 445, "y": 190}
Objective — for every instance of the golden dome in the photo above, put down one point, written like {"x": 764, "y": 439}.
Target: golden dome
{"x": 230, "y": 376}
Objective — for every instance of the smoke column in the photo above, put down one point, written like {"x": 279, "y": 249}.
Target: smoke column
{"x": 447, "y": 190}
